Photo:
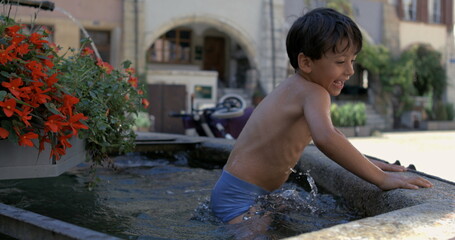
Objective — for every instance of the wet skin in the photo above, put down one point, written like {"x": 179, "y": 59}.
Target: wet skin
{"x": 296, "y": 112}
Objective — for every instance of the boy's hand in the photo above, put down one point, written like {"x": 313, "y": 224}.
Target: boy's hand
{"x": 388, "y": 167}
{"x": 396, "y": 180}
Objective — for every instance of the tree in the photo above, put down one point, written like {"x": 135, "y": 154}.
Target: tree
{"x": 395, "y": 77}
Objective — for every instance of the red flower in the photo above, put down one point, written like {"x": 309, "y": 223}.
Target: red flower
{"x": 75, "y": 124}
{"x": 22, "y": 49}
{"x": 5, "y": 54}
{"x": 40, "y": 96}
{"x": 68, "y": 103}
{"x": 14, "y": 86}
{"x": 36, "y": 68}
{"x": 133, "y": 81}
{"x": 130, "y": 71}
{"x": 35, "y": 38}
{"x": 57, "y": 152}
{"x": 25, "y": 139}
{"x": 145, "y": 102}
{"x": 8, "y": 107}
{"x": 63, "y": 140}
{"x": 25, "y": 115}
{"x": 12, "y": 30}
{"x": 86, "y": 51}
{"x": 51, "y": 80}
{"x": 54, "y": 123}
{"x": 105, "y": 66}
{"x": 3, "y": 133}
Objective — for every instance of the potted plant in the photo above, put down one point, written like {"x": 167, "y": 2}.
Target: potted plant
{"x": 49, "y": 101}
{"x": 142, "y": 122}
{"x": 110, "y": 98}
{"x": 36, "y": 111}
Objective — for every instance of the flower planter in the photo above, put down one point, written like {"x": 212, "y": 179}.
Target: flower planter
{"x": 26, "y": 162}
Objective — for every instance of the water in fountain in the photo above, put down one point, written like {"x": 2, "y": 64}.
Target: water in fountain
{"x": 160, "y": 198}
{"x": 84, "y": 31}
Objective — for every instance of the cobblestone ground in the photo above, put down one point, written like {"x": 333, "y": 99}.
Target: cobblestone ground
{"x": 432, "y": 152}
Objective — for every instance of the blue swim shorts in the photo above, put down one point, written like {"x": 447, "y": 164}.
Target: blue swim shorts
{"x": 232, "y": 197}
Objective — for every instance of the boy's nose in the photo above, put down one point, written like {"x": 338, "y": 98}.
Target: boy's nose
{"x": 350, "y": 69}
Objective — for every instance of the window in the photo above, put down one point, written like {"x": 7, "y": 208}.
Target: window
{"x": 410, "y": 10}
{"x": 102, "y": 41}
{"x": 172, "y": 47}
{"x": 434, "y": 11}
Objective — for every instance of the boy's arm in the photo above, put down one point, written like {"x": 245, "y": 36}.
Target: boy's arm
{"x": 334, "y": 145}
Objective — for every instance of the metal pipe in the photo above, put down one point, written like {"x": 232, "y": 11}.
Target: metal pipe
{"x": 44, "y": 5}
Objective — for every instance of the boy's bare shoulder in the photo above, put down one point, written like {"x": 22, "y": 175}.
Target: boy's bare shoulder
{"x": 308, "y": 89}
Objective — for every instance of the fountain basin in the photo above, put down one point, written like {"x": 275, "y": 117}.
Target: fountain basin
{"x": 395, "y": 214}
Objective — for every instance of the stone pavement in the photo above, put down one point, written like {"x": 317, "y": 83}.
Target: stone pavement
{"x": 432, "y": 152}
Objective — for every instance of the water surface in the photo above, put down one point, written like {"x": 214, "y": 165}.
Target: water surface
{"x": 161, "y": 199}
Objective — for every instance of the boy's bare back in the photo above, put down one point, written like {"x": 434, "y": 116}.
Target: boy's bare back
{"x": 274, "y": 137}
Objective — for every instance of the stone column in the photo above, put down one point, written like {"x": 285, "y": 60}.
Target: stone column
{"x": 133, "y": 34}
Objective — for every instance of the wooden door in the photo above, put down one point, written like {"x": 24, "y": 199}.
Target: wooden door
{"x": 165, "y": 99}
{"x": 214, "y": 56}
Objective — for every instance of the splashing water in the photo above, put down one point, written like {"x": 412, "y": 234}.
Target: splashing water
{"x": 158, "y": 199}
{"x": 286, "y": 212}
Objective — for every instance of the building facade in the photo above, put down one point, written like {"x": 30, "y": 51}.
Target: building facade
{"x": 213, "y": 47}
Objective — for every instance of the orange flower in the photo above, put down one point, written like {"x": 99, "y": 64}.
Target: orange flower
{"x": 54, "y": 123}
{"x": 133, "y": 81}
{"x": 22, "y": 49}
{"x": 35, "y": 38}
{"x": 68, "y": 103}
{"x": 51, "y": 80}
{"x": 36, "y": 68}
{"x": 57, "y": 152}
{"x": 14, "y": 86}
{"x": 105, "y": 66}
{"x": 87, "y": 51}
{"x": 8, "y": 107}
{"x": 5, "y": 54}
{"x": 40, "y": 96}
{"x": 3, "y": 133}
{"x": 25, "y": 139}
{"x": 25, "y": 115}
{"x": 130, "y": 70}
{"x": 12, "y": 30}
{"x": 145, "y": 102}
{"x": 75, "y": 124}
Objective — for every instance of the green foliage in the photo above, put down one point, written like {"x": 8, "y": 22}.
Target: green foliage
{"x": 441, "y": 112}
{"x": 429, "y": 75}
{"x": 348, "y": 115}
{"x": 343, "y": 6}
{"x": 142, "y": 120}
{"x": 109, "y": 98}
{"x": 373, "y": 57}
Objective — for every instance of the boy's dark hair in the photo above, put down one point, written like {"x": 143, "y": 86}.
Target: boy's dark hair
{"x": 319, "y": 31}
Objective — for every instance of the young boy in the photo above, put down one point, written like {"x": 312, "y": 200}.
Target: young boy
{"x": 322, "y": 46}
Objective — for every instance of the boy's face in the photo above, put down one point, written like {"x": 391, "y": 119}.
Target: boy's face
{"x": 333, "y": 69}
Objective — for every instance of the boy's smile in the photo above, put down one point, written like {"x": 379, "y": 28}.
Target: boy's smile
{"x": 331, "y": 71}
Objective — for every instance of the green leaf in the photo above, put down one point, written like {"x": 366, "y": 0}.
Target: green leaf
{"x": 51, "y": 107}
{"x": 3, "y": 95}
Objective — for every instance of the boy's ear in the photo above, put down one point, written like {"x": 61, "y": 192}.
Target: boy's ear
{"x": 304, "y": 62}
